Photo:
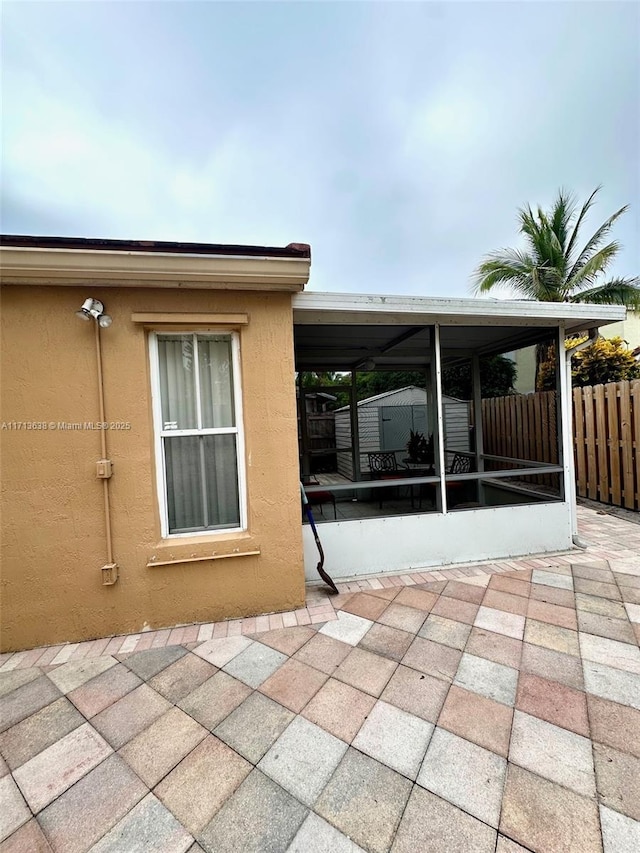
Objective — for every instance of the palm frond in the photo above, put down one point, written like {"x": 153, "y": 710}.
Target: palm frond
{"x": 596, "y": 265}
{"x": 561, "y": 216}
{"x": 576, "y": 229}
{"x": 518, "y": 270}
{"x": 595, "y": 241}
{"x": 503, "y": 267}
{"x": 618, "y": 291}
{"x": 535, "y": 229}
{"x": 546, "y": 270}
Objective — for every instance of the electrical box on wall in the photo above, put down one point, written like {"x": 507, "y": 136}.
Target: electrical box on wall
{"x": 109, "y": 574}
{"x": 104, "y": 469}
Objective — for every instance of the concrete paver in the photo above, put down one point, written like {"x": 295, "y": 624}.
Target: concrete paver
{"x": 433, "y": 824}
{"x": 365, "y": 800}
{"x": 203, "y": 781}
{"x": 148, "y": 826}
{"x": 490, "y": 679}
{"x": 259, "y": 816}
{"x": 47, "y": 775}
{"x": 395, "y": 738}
{"x": 464, "y": 774}
{"x": 317, "y": 836}
{"x": 155, "y": 751}
{"x": 448, "y": 632}
{"x": 303, "y": 759}
{"x": 553, "y": 753}
{"x": 255, "y": 664}
{"x": 240, "y": 732}
{"x": 340, "y": 709}
{"x": 84, "y": 813}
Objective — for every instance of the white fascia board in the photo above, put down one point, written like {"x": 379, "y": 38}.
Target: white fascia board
{"x": 339, "y": 308}
{"x": 66, "y": 266}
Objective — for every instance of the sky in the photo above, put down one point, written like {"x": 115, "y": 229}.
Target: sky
{"x": 399, "y": 139}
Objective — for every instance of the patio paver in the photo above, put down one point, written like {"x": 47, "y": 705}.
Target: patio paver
{"x": 395, "y": 738}
{"x": 464, "y": 774}
{"x": 84, "y": 813}
{"x": 148, "y": 826}
{"x": 155, "y": 751}
{"x": 545, "y": 816}
{"x": 365, "y": 800}
{"x": 553, "y": 753}
{"x": 251, "y": 741}
{"x": 340, "y": 709}
{"x": 317, "y": 836}
{"x": 433, "y": 824}
{"x": 259, "y": 816}
{"x": 52, "y": 771}
{"x": 303, "y": 759}
{"x": 200, "y": 785}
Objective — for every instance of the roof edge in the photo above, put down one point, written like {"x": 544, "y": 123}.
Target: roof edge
{"x": 292, "y": 250}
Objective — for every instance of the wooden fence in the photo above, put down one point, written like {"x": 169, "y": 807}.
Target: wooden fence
{"x": 522, "y": 426}
{"x": 607, "y": 442}
{"x": 606, "y": 436}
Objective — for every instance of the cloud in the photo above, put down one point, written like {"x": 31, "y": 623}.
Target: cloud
{"x": 398, "y": 139}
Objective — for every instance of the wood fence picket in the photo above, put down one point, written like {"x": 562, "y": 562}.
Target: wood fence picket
{"x": 606, "y": 437}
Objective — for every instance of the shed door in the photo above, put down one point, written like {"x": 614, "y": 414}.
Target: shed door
{"x": 396, "y": 423}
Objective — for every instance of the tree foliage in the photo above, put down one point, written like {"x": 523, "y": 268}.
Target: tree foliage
{"x": 497, "y": 377}
{"x": 605, "y": 360}
{"x": 552, "y": 267}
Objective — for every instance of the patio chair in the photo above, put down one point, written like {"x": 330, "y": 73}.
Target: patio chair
{"x": 384, "y": 466}
{"x": 460, "y": 464}
{"x": 319, "y": 497}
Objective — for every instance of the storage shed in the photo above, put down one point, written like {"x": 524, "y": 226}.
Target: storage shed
{"x": 385, "y": 422}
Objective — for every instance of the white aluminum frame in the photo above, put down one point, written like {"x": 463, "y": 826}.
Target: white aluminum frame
{"x": 160, "y": 433}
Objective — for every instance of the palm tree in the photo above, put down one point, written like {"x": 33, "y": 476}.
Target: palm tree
{"x": 551, "y": 268}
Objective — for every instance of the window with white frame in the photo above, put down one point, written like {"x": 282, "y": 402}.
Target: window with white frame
{"x": 198, "y": 431}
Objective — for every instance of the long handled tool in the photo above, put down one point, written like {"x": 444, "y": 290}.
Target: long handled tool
{"x": 320, "y": 567}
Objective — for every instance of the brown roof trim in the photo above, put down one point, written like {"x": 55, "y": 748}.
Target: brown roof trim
{"x": 293, "y": 250}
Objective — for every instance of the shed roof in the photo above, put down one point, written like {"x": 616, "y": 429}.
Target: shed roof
{"x": 377, "y": 398}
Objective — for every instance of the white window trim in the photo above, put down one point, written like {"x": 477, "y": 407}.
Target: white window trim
{"x": 238, "y": 431}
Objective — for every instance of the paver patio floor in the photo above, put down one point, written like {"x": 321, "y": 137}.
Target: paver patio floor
{"x": 495, "y": 708}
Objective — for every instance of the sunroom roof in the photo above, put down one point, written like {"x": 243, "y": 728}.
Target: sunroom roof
{"x": 340, "y": 331}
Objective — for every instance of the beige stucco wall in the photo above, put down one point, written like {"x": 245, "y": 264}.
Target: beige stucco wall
{"x": 628, "y": 330}
{"x": 53, "y": 529}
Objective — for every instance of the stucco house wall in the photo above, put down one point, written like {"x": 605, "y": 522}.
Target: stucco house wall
{"x": 525, "y": 359}
{"x": 53, "y": 542}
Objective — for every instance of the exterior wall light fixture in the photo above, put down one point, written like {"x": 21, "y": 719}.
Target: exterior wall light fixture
{"x": 94, "y": 308}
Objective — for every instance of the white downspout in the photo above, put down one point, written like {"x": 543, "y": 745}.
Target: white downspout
{"x": 570, "y": 480}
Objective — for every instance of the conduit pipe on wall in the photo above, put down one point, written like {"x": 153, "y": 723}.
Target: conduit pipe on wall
{"x": 110, "y": 569}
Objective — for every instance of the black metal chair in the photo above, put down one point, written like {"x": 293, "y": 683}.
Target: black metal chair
{"x": 384, "y": 466}
{"x": 460, "y": 464}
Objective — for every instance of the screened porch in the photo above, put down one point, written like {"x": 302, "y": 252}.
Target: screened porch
{"x": 424, "y": 444}
{"x": 403, "y": 454}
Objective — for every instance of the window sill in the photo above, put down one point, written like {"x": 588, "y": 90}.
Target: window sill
{"x": 202, "y": 548}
